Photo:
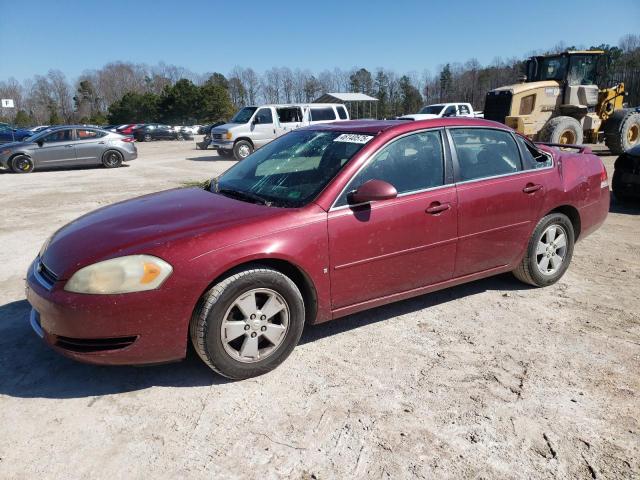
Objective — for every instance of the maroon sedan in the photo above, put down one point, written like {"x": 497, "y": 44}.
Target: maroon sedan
{"x": 321, "y": 223}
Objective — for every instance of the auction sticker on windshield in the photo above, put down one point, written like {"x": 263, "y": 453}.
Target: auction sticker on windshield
{"x": 353, "y": 138}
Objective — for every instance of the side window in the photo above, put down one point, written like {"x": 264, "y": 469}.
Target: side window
{"x": 532, "y": 157}
{"x": 342, "y": 112}
{"x": 411, "y": 163}
{"x": 450, "y": 111}
{"x": 464, "y": 110}
{"x": 58, "y": 136}
{"x": 289, "y": 114}
{"x": 485, "y": 153}
{"x": 88, "y": 134}
{"x": 323, "y": 113}
{"x": 264, "y": 116}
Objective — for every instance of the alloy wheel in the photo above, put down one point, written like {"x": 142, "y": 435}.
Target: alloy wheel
{"x": 551, "y": 249}
{"x": 255, "y": 325}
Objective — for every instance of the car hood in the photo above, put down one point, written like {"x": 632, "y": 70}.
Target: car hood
{"x": 13, "y": 145}
{"x": 144, "y": 223}
{"x": 226, "y": 126}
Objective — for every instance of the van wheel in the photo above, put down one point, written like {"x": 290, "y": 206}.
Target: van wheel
{"x": 22, "y": 164}
{"x": 549, "y": 251}
{"x": 242, "y": 149}
{"x": 248, "y": 323}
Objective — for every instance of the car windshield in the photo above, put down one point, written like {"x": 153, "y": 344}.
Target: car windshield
{"x": 244, "y": 115}
{"x": 291, "y": 170}
{"x": 433, "y": 109}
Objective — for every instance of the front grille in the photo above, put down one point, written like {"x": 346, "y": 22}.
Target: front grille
{"x": 90, "y": 345}
{"x": 44, "y": 275}
{"x": 216, "y": 136}
{"x": 497, "y": 105}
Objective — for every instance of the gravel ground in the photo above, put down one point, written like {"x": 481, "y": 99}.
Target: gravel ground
{"x": 487, "y": 380}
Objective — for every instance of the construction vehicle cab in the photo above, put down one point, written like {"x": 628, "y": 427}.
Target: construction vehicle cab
{"x": 559, "y": 101}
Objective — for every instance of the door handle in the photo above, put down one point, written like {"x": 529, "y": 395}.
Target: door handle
{"x": 68, "y": 146}
{"x": 437, "y": 207}
{"x": 101, "y": 143}
{"x": 531, "y": 188}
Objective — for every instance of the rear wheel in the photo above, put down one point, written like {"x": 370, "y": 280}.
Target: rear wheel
{"x": 622, "y": 131}
{"x": 564, "y": 130}
{"x": 549, "y": 251}
{"x": 242, "y": 149}
{"x": 147, "y": 137}
{"x": 248, "y": 323}
{"x": 22, "y": 164}
{"x": 112, "y": 159}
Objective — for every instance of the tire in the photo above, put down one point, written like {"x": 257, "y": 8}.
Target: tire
{"x": 147, "y": 137}
{"x": 242, "y": 149}
{"x": 223, "y": 153}
{"x": 112, "y": 159}
{"x": 562, "y": 130}
{"x": 22, "y": 164}
{"x": 622, "y": 131}
{"x": 225, "y": 355}
{"x": 179, "y": 137}
{"x": 618, "y": 190}
{"x": 530, "y": 268}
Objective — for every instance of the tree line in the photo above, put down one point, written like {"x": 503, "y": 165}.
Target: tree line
{"x": 123, "y": 92}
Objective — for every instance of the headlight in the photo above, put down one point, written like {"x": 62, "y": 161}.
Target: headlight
{"x": 228, "y": 135}
{"x": 134, "y": 273}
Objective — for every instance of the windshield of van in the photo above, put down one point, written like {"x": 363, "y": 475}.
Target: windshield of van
{"x": 433, "y": 109}
{"x": 291, "y": 170}
{"x": 244, "y": 115}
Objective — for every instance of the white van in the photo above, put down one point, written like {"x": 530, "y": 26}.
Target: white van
{"x": 253, "y": 127}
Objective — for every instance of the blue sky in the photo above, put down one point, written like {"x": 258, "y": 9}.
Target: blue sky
{"x": 211, "y": 36}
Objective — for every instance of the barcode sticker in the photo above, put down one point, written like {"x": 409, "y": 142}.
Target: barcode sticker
{"x": 353, "y": 138}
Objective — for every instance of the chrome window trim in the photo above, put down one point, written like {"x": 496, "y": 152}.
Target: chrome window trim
{"x": 371, "y": 156}
{"x": 483, "y": 127}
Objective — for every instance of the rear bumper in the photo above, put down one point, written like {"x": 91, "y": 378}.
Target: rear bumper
{"x": 592, "y": 216}
{"x": 129, "y": 329}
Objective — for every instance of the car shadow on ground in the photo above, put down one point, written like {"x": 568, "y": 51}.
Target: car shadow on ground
{"x": 209, "y": 158}
{"x": 30, "y": 369}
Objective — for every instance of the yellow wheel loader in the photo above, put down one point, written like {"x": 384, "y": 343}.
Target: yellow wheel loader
{"x": 558, "y": 101}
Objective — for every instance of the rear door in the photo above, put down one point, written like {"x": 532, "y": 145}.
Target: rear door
{"x": 499, "y": 201}
{"x": 89, "y": 146}
{"x": 56, "y": 149}
{"x": 395, "y": 245}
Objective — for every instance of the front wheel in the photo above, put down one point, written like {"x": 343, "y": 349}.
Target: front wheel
{"x": 242, "y": 149}
{"x": 248, "y": 323}
{"x": 549, "y": 251}
{"x": 22, "y": 164}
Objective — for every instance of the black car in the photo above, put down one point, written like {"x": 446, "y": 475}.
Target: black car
{"x": 206, "y": 129}
{"x": 626, "y": 175}
{"x": 156, "y": 131}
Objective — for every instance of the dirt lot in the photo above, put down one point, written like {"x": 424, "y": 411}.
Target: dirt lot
{"x": 487, "y": 380}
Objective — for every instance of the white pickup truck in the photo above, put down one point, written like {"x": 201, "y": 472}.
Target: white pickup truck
{"x": 440, "y": 110}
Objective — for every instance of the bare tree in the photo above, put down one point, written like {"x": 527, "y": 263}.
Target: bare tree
{"x": 61, "y": 94}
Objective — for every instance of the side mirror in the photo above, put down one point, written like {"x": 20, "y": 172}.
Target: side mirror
{"x": 256, "y": 121}
{"x": 40, "y": 143}
{"x": 371, "y": 191}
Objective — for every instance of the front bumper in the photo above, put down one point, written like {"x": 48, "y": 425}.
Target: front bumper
{"x": 222, "y": 144}
{"x": 125, "y": 329}
{"x": 626, "y": 183}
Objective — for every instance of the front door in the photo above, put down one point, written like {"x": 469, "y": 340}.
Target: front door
{"x": 395, "y": 245}
{"x": 263, "y": 128}
{"x": 56, "y": 149}
{"x": 498, "y": 201}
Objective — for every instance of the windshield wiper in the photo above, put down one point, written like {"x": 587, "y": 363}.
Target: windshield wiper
{"x": 242, "y": 195}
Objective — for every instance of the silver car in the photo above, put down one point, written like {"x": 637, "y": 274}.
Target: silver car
{"x": 68, "y": 145}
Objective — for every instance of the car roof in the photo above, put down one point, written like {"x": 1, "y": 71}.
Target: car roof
{"x": 373, "y": 127}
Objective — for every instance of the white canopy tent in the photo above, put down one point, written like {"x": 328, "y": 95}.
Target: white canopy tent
{"x": 358, "y": 104}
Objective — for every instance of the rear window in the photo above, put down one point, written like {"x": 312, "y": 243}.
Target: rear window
{"x": 342, "y": 113}
{"x": 323, "y": 113}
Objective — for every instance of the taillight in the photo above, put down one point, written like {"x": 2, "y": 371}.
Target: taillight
{"x": 128, "y": 139}
{"x": 603, "y": 176}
